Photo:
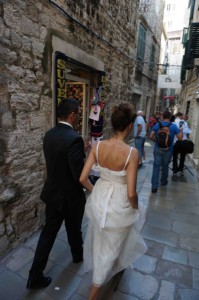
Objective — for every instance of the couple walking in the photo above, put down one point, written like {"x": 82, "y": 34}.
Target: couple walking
{"x": 113, "y": 240}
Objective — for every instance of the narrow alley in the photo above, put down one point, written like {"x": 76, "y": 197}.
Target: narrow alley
{"x": 169, "y": 270}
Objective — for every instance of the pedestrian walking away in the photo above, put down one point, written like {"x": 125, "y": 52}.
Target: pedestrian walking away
{"x": 152, "y": 122}
{"x": 113, "y": 239}
{"x": 147, "y": 131}
{"x": 162, "y": 155}
{"x": 179, "y": 147}
{"x": 62, "y": 193}
{"x": 140, "y": 134}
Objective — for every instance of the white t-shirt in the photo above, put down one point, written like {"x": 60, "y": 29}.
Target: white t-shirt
{"x": 185, "y": 128}
{"x": 139, "y": 121}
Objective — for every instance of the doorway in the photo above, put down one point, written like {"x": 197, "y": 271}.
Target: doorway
{"x": 135, "y": 100}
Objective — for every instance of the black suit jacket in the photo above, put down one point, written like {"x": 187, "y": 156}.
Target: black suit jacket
{"x": 64, "y": 155}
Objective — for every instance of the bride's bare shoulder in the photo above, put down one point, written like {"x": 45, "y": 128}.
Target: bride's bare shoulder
{"x": 103, "y": 142}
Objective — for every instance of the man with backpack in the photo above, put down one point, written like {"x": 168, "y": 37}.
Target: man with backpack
{"x": 163, "y": 134}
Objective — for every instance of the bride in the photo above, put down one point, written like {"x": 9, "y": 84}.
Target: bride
{"x": 113, "y": 240}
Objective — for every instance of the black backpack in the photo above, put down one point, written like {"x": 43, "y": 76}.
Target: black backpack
{"x": 163, "y": 136}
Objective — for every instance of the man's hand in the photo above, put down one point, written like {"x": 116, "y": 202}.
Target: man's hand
{"x": 87, "y": 145}
{"x": 152, "y": 136}
{"x": 134, "y": 202}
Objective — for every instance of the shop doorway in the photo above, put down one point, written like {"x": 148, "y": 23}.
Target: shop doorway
{"x": 75, "y": 80}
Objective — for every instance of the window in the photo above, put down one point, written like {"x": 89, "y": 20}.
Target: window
{"x": 175, "y": 48}
{"x": 168, "y": 7}
{"x": 141, "y": 42}
{"x": 169, "y": 24}
{"x": 172, "y": 71}
{"x": 188, "y": 107}
{"x": 185, "y": 36}
{"x": 172, "y": 92}
{"x": 152, "y": 58}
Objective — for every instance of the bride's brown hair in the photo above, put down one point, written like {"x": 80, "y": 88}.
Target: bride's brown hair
{"x": 123, "y": 115}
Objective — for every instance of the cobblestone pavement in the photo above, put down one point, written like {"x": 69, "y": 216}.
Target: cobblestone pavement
{"x": 168, "y": 271}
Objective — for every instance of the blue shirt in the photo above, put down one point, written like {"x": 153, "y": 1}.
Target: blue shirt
{"x": 173, "y": 131}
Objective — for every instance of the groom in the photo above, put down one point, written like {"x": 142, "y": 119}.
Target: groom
{"x": 62, "y": 193}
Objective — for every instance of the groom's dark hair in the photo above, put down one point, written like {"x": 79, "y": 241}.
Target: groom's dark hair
{"x": 67, "y": 106}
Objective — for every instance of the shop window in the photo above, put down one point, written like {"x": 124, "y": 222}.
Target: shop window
{"x": 141, "y": 42}
{"x": 77, "y": 90}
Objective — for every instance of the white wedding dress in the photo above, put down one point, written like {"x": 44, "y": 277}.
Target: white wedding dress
{"x": 113, "y": 239}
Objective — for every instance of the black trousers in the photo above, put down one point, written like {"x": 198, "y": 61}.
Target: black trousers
{"x": 175, "y": 159}
{"x": 54, "y": 220}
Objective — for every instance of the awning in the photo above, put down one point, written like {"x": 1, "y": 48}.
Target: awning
{"x": 171, "y": 98}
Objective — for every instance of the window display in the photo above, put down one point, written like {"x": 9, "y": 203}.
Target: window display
{"x": 76, "y": 90}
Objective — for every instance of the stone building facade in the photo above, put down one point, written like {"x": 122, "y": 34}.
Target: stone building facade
{"x": 189, "y": 96}
{"x": 175, "y": 19}
{"x": 45, "y": 48}
{"x": 150, "y": 28}
{"x": 50, "y": 50}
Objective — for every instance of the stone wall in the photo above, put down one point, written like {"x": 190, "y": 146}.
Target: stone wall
{"x": 26, "y": 104}
{"x": 188, "y": 94}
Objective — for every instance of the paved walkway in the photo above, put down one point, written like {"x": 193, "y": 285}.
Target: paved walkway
{"x": 168, "y": 271}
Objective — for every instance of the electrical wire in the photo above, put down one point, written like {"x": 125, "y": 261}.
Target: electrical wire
{"x": 108, "y": 43}
{"x": 89, "y": 30}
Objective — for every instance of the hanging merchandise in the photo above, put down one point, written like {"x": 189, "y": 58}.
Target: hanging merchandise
{"x": 96, "y": 127}
{"x": 95, "y": 174}
{"x": 97, "y": 96}
{"x": 96, "y": 121}
{"x": 95, "y": 112}
{"x": 95, "y": 140}
{"x": 97, "y": 107}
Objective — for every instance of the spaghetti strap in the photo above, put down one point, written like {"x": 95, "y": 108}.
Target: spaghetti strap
{"x": 128, "y": 158}
{"x": 97, "y": 151}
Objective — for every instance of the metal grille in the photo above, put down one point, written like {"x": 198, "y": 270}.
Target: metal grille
{"x": 194, "y": 40}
